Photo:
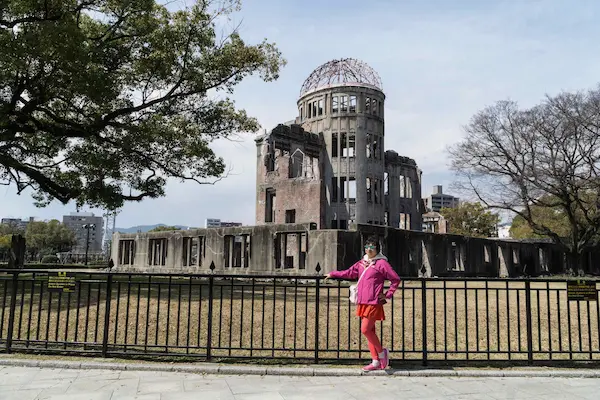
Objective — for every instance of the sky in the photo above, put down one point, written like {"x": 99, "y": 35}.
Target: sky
{"x": 440, "y": 62}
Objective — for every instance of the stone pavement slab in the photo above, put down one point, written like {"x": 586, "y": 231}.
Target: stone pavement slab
{"x": 35, "y": 383}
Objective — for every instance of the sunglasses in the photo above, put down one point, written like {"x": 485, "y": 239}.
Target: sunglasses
{"x": 370, "y": 247}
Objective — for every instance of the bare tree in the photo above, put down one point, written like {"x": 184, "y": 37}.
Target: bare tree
{"x": 547, "y": 156}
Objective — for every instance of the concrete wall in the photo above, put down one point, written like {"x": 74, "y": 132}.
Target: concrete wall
{"x": 403, "y": 197}
{"x": 291, "y": 249}
{"x": 302, "y": 193}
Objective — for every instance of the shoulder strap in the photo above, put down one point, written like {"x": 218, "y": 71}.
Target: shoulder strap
{"x": 361, "y": 275}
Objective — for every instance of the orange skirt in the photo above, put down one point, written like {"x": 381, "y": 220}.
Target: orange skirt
{"x": 370, "y": 311}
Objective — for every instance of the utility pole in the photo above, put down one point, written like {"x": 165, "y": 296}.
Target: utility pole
{"x": 87, "y": 240}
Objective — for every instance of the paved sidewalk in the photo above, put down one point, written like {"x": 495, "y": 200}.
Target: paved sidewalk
{"x": 30, "y": 383}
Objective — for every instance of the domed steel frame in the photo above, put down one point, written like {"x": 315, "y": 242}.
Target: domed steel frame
{"x": 343, "y": 71}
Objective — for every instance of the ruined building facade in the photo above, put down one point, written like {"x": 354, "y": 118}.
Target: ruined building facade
{"x": 328, "y": 166}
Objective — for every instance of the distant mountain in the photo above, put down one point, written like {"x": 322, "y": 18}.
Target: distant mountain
{"x": 145, "y": 228}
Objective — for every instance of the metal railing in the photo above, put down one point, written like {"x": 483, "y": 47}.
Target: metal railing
{"x": 296, "y": 318}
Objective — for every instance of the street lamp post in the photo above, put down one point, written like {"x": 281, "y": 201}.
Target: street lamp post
{"x": 87, "y": 240}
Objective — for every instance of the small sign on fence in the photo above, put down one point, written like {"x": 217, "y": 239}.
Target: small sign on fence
{"x": 582, "y": 291}
{"x": 61, "y": 281}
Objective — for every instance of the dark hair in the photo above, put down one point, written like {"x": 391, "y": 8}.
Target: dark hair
{"x": 373, "y": 240}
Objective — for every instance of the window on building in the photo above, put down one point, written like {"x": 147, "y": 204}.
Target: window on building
{"x": 334, "y": 144}
{"x": 126, "y": 252}
{"x": 236, "y": 251}
{"x": 157, "y": 251}
{"x": 301, "y": 114}
{"x": 376, "y": 189}
{"x": 334, "y": 189}
{"x": 193, "y": 250}
{"x": 353, "y": 104}
{"x": 386, "y": 184}
{"x": 367, "y": 105}
{"x": 290, "y": 216}
{"x": 402, "y": 186}
{"x": 344, "y": 103}
{"x": 374, "y": 108}
{"x": 314, "y": 108}
{"x": 487, "y": 253}
{"x": 352, "y": 190}
{"x": 309, "y": 110}
{"x": 404, "y": 221}
{"x": 348, "y": 189}
{"x": 335, "y": 104}
{"x": 296, "y": 165}
{"x": 270, "y": 159}
{"x": 343, "y": 224}
{"x": 350, "y": 147}
{"x": 369, "y": 191}
{"x": 386, "y": 218}
{"x": 380, "y": 109}
{"x": 320, "y": 107}
{"x": 375, "y": 146}
{"x": 270, "y": 205}
{"x": 290, "y": 250}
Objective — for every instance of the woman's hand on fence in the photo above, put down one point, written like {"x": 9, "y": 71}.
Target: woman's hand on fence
{"x": 328, "y": 276}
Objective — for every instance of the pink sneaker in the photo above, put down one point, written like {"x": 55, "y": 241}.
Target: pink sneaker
{"x": 385, "y": 360}
{"x": 371, "y": 367}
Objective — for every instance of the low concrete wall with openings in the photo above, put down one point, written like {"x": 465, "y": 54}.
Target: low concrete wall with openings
{"x": 297, "y": 249}
{"x": 281, "y": 249}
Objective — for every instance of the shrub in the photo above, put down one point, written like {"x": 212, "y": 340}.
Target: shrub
{"x": 50, "y": 259}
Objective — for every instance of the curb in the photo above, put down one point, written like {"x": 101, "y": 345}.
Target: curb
{"x": 217, "y": 369}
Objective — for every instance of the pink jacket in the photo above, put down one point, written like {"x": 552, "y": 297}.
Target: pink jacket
{"x": 372, "y": 282}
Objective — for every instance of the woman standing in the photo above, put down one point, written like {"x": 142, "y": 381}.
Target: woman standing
{"x": 372, "y": 271}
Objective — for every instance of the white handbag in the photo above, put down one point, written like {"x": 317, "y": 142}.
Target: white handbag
{"x": 354, "y": 288}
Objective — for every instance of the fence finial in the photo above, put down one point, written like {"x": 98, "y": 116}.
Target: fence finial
{"x": 212, "y": 266}
{"x": 318, "y": 268}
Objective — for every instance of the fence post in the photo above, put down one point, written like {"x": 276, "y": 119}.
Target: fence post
{"x": 210, "y": 312}
{"x": 424, "y": 318}
{"x": 529, "y": 328}
{"x": 317, "y": 304}
{"x": 11, "y": 315}
{"x": 107, "y": 314}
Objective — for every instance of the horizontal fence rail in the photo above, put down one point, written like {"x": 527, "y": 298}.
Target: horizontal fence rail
{"x": 294, "y": 317}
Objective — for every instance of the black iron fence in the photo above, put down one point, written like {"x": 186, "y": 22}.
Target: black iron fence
{"x": 295, "y": 318}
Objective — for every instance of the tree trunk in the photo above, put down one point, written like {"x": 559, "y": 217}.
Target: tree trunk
{"x": 574, "y": 265}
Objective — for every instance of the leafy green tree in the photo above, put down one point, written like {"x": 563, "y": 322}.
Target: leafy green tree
{"x": 5, "y": 244}
{"x": 471, "y": 219}
{"x": 102, "y": 101}
{"x": 8, "y": 229}
{"x": 545, "y": 157}
{"x": 164, "y": 228}
{"x": 50, "y": 237}
{"x": 553, "y": 218}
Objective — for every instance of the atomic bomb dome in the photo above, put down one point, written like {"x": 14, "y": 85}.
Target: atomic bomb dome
{"x": 329, "y": 165}
{"x": 346, "y": 71}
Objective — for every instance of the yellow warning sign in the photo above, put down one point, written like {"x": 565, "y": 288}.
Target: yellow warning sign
{"x": 61, "y": 281}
